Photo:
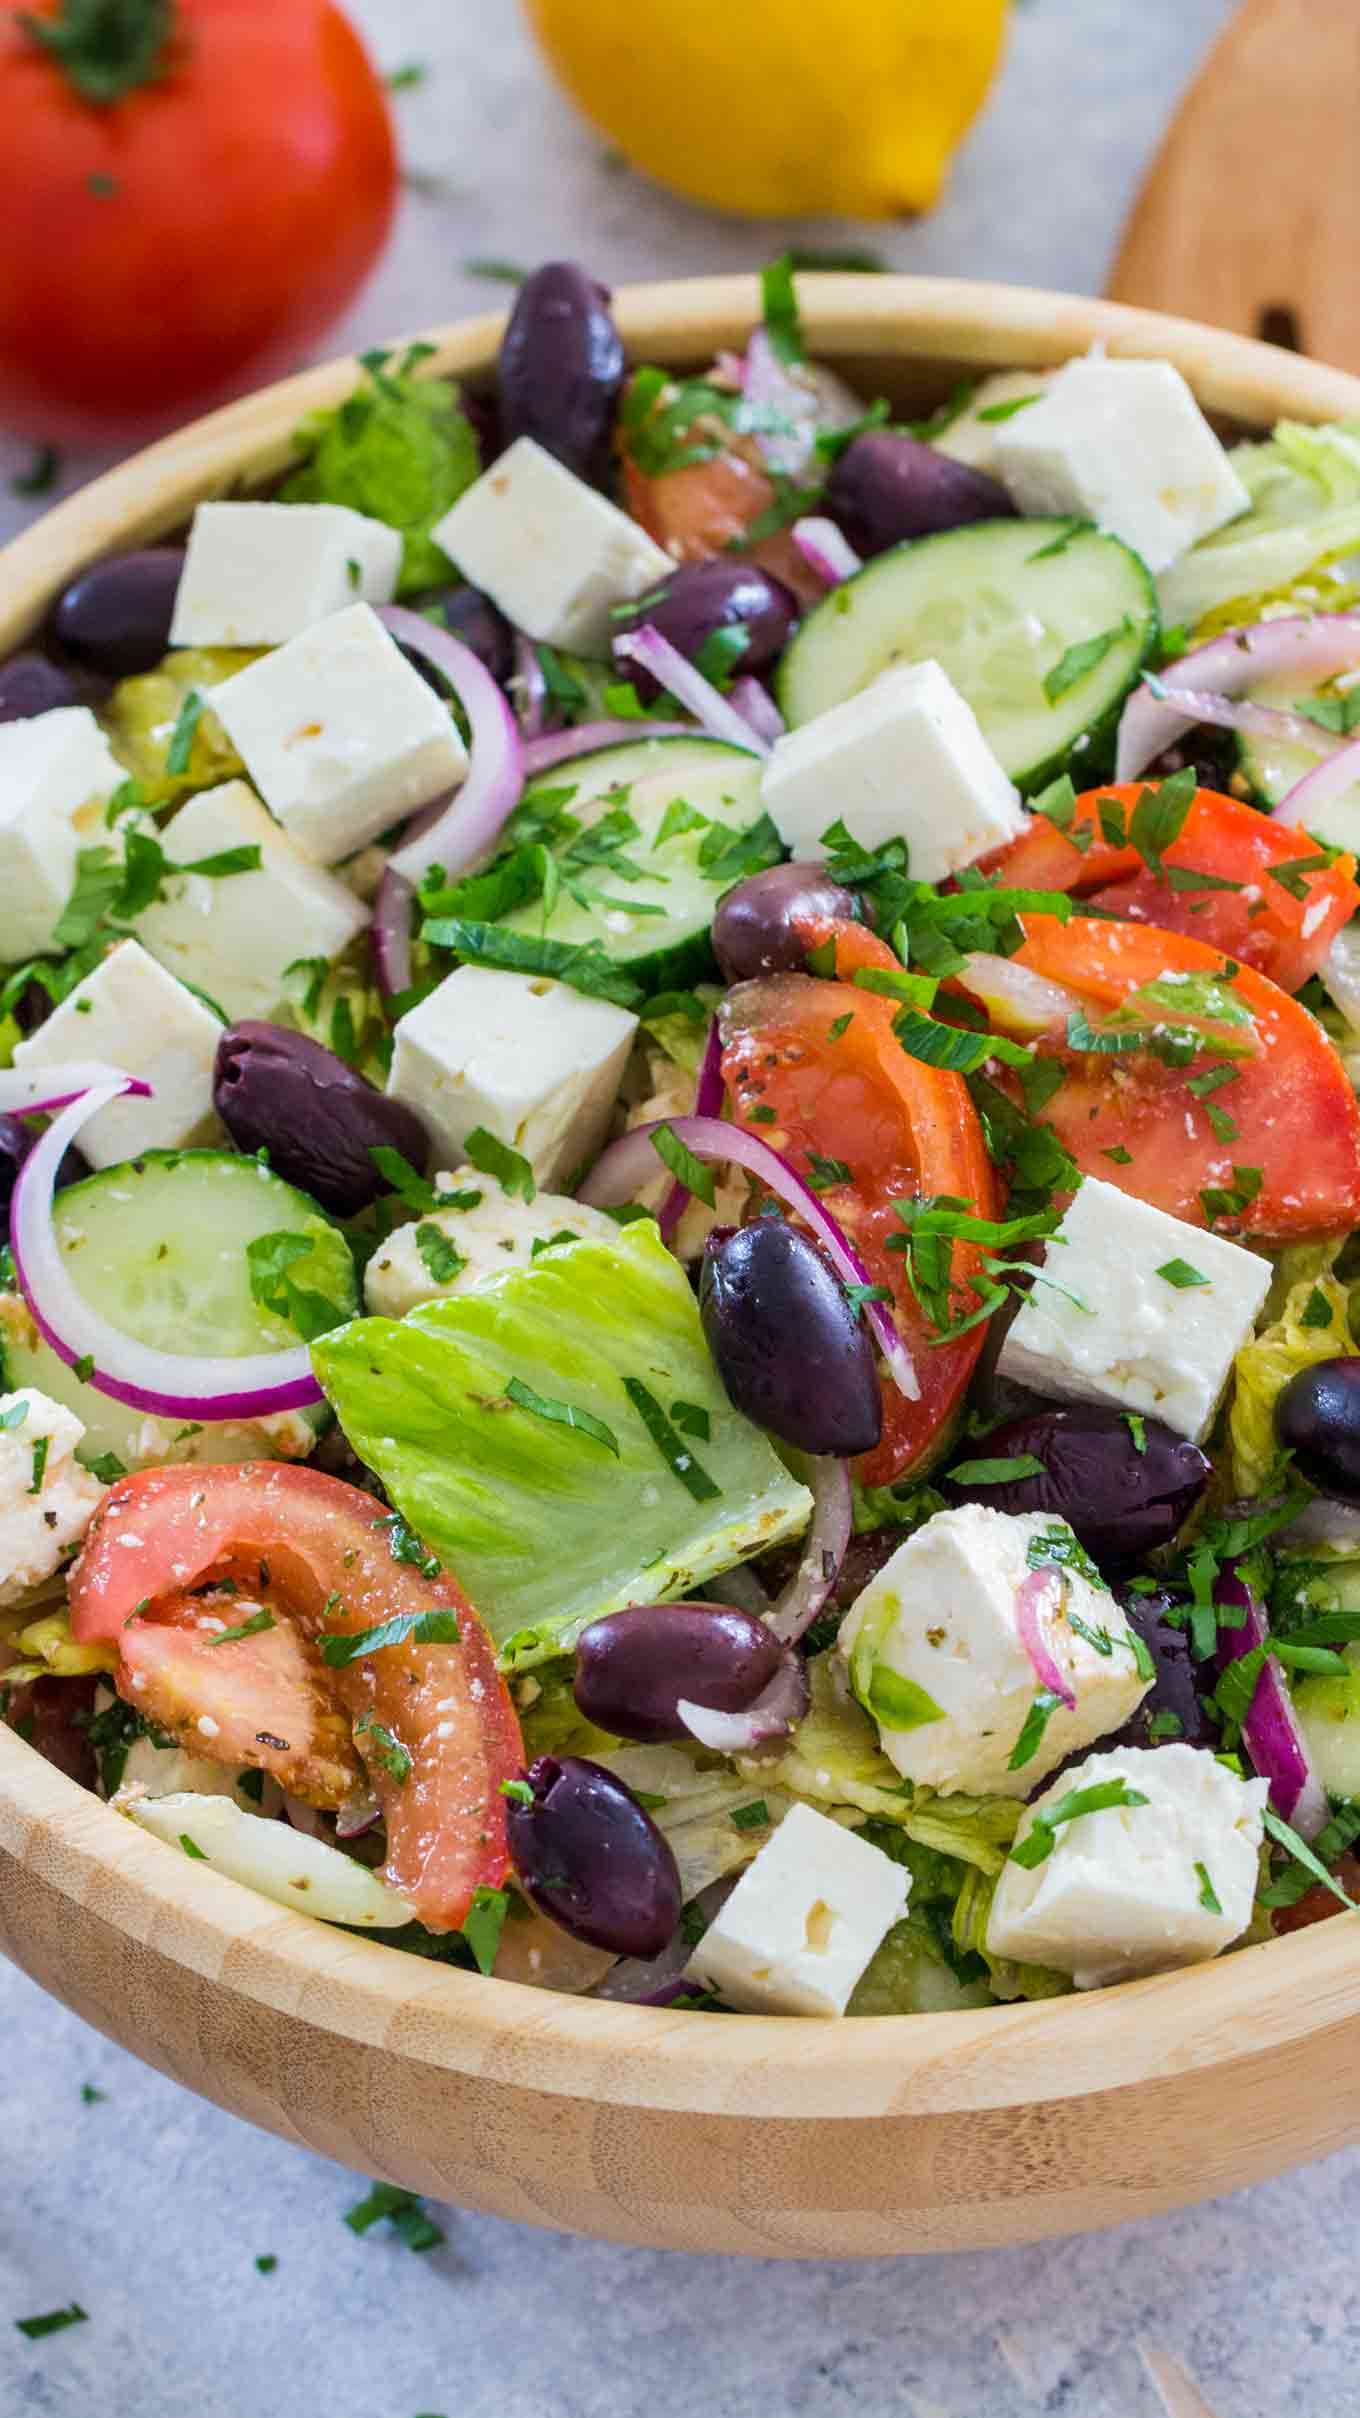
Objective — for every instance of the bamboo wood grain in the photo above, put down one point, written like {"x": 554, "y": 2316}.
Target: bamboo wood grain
{"x": 1248, "y": 218}
{"x": 769, "y": 2136}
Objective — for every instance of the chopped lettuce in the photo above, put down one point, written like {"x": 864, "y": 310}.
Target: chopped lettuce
{"x": 909, "y": 1975}
{"x": 1310, "y": 1323}
{"x": 693, "y": 1799}
{"x": 141, "y": 717}
{"x": 906, "y": 1506}
{"x": 1304, "y": 485}
{"x": 401, "y": 449}
{"x": 1008, "y": 1979}
{"x": 550, "y": 1520}
{"x": 1328, "y": 1709}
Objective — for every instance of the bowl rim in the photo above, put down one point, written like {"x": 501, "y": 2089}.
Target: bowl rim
{"x": 1234, "y": 2008}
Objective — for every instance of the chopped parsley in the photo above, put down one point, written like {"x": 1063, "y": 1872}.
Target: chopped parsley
{"x": 192, "y": 1849}
{"x": 343, "y": 1646}
{"x": 1178, "y": 1272}
{"x": 692, "y": 1420}
{"x": 266, "y": 2263}
{"x": 561, "y": 1414}
{"x": 1002, "y": 1472}
{"x": 1208, "y": 1895}
{"x": 182, "y": 736}
{"x": 823, "y": 1173}
{"x": 482, "y": 1927}
{"x": 1079, "y": 661}
{"x": 402, "y": 1178}
{"x": 1036, "y": 1721}
{"x": 683, "y": 1164}
{"x": 755, "y": 1816}
{"x": 671, "y": 1446}
{"x": 388, "y": 2204}
{"x": 518, "y": 1792}
{"x": 385, "y": 1749}
{"x": 490, "y": 1156}
{"x": 1057, "y": 1548}
{"x": 41, "y": 1450}
{"x": 1137, "y": 1427}
{"x": 1229, "y": 1200}
{"x": 1041, "y": 1839}
{"x": 443, "y": 1261}
{"x": 54, "y": 2321}
{"x": 254, "y": 1627}
{"x": 779, "y": 307}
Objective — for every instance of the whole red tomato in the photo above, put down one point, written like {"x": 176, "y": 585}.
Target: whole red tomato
{"x": 190, "y": 192}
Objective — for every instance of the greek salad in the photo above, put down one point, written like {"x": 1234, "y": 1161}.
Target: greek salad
{"x": 678, "y": 1104}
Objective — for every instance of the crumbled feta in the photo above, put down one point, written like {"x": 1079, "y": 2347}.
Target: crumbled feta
{"x": 235, "y": 937}
{"x": 1135, "y": 1889}
{"x": 903, "y": 759}
{"x": 554, "y": 554}
{"x": 1124, "y": 444}
{"x": 1142, "y": 1343}
{"x": 130, "y": 1013}
{"x": 494, "y": 1232}
{"x": 534, "y": 1062}
{"x": 803, "y": 1921}
{"x": 339, "y": 734}
{"x": 256, "y": 574}
{"x": 47, "y": 1500}
{"x": 944, "y": 1615}
{"x": 57, "y": 773}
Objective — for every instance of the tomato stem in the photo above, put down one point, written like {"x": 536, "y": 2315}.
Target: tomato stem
{"x": 106, "y": 48}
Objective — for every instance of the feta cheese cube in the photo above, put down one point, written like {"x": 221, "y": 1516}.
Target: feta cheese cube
{"x": 1135, "y": 1889}
{"x": 1124, "y": 444}
{"x": 47, "y": 1500}
{"x": 339, "y": 735}
{"x": 1143, "y": 1342}
{"x": 903, "y": 760}
{"x": 803, "y": 1921}
{"x": 492, "y": 1232}
{"x": 944, "y": 1616}
{"x": 553, "y": 553}
{"x": 131, "y": 1013}
{"x": 233, "y": 935}
{"x": 57, "y": 773}
{"x": 256, "y": 574}
{"x": 536, "y": 1063}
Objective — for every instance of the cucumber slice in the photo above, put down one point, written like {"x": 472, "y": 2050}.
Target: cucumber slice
{"x": 1001, "y": 605}
{"x": 651, "y": 908}
{"x": 159, "y": 1246}
{"x": 1271, "y": 767}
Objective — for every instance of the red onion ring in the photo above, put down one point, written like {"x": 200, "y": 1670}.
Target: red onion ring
{"x": 777, "y": 1710}
{"x": 833, "y": 1516}
{"x": 1240, "y": 713}
{"x": 1271, "y": 1733}
{"x": 1330, "y": 779}
{"x": 826, "y": 549}
{"x": 689, "y": 688}
{"x": 559, "y": 746}
{"x": 708, "y": 1102}
{"x": 533, "y": 688}
{"x": 473, "y": 816}
{"x": 1028, "y": 1596}
{"x": 48, "y": 1088}
{"x": 752, "y": 700}
{"x": 622, "y": 1170}
{"x": 1311, "y": 648}
{"x": 172, "y": 1385}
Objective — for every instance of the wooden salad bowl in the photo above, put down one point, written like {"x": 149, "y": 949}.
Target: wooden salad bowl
{"x": 774, "y": 2136}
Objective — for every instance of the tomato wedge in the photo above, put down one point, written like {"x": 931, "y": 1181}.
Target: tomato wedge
{"x": 175, "y": 1554}
{"x": 704, "y": 508}
{"x": 823, "y": 1057}
{"x": 1167, "y": 1133}
{"x": 1283, "y": 928}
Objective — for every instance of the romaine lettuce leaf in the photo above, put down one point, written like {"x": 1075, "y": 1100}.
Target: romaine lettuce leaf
{"x": 692, "y": 1799}
{"x": 545, "y": 1524}
{"x": 1311, "y": 1323}
{"x": 1304, "y": 485}
{"x": 1009, "y": 1979}
{"x": 402, "y": 450}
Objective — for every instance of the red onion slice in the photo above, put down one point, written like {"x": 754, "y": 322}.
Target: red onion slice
{"x": 708, "y": 1102}
{"x": 622, "y": 1170}
{"x": 833, "y": 1516}
{"x": 1240, "y": 713}
{"x": 802, "y": 395}
{"x": 777, "y": 1710}
{"x": 1271, "y": 1733}
{"x": 559, "y": 746}
{"x": 752, "y": 700}
{"x": 826, "y": 549}
{"x": 474, "y": 814}
{"x": 689, "y": 688}
{"x": 1330, "y": 779}
{"x": 41, "y": 1092}
{"x": 1315, "y": 648}
{"x": 358, "y": 1813}
{"x": 389, "y": 934}
{"x": 533, "y": 688}
{"x": 1029, "y": 1595}
{"x": 173, "y": 1385}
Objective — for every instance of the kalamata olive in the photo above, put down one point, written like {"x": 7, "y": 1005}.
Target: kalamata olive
{"x": 465, "y": 613}
{"x": 756, "y": 928}
{"x": 33, "y": 684}
{"x": 887, "y": 487}
{"x": 1122, "y": 1501}
{"x": 15, "y": 1143}
{"x": 561, "y": 367}
{"x": 116, "y": 615}
{"x": 700, "y": 598}
{"x": 1172, "y": 1710}
{"x": 791, "y": 1352}
{"x": 634, "y": 1667}
{"x": 317, "y": 1118}
{"x": 591, "y": 1857}
{"x": 1317, "y": 1418}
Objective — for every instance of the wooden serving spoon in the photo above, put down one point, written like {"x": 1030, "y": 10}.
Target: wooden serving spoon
{"x": 1250, "y": 217}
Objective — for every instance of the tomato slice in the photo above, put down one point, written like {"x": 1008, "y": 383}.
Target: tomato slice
{"x": 175, "y": 1552}
{"x": 847, "y": 1092}
{"x": 1260, "y": 921}
{"x": 1141, "y": 1124}
{"x": 706, "y": 507}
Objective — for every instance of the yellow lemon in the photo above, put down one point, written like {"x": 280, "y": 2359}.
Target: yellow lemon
{"x": 781, "y": 107}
